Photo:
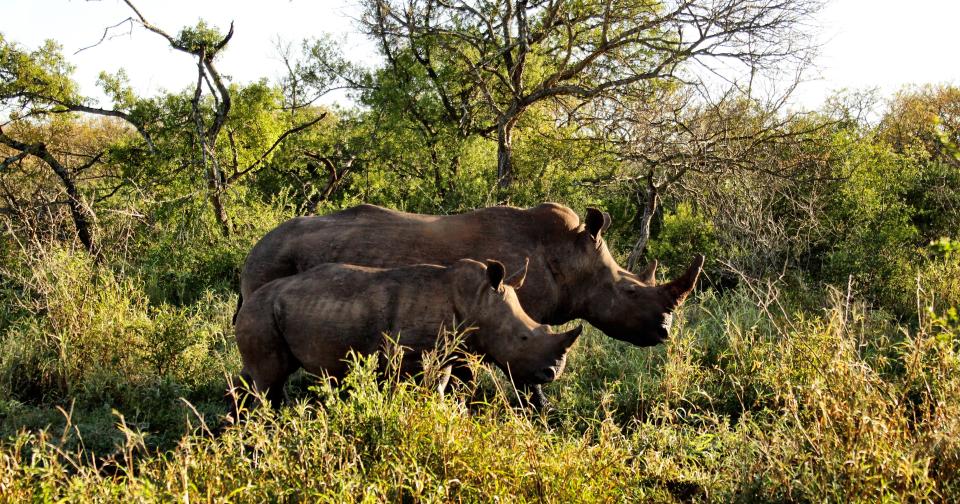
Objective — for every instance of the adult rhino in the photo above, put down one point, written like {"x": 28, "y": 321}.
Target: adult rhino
{"x": 570, "y": 273}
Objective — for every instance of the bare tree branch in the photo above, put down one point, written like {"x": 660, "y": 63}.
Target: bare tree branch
{"x": 276, "y": 143}
{"x": 78, "y": 210}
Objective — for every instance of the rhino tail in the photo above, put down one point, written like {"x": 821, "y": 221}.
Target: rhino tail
{"x": 239, "y": 304}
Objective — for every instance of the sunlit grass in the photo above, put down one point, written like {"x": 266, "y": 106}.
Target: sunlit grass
{"x": 756, "y": 398}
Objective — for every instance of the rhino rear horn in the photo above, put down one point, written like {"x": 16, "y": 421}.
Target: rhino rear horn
{"x": 649, "y": 274}
{"x": 568, "y": 338}
{"x": 680, "y": 288}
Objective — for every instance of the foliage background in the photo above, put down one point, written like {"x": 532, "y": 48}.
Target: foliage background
{"x": 818, "y": 360}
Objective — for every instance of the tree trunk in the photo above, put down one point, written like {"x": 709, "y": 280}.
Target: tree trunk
{"x": 454, "y": 172}
{"x": 78, "y": 212}
{"x": 437, "y": 173}
{"x": 216, "y": 200}
{"x": 505, "y": 153}
{"x": 650, "y": 199}
{"x": 215, "y": 184}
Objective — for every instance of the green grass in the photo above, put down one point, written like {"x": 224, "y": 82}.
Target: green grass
{"x": 758, "y": 397}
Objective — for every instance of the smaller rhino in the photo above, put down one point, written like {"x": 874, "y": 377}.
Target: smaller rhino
{"x": 315, "y": 318}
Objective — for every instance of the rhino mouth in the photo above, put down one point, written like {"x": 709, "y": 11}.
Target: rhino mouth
{"x": 545, "y": 375}
{"x": 662, "y": 334}
{"x": 667, "y": 322}
{"x": 658, "y": 334}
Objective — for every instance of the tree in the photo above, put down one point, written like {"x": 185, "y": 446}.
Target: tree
{"x": 397, "y": 133}
{"x": 671, "y": 134}
{"x": 924, "y": 120}
{"x": 489, "y": 61}
{"x": 37, "y": 84}
{"x": 226, "y": 131}
{"x": 80, "y": 212}
{"x": 923, "y": 125}
{"x": 208, "y": 117}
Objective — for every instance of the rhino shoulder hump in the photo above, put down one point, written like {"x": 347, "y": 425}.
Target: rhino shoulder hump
{"x": 368, "y": 211}
{"x": 558, "y": 214}
{"x": 367, "y": 208}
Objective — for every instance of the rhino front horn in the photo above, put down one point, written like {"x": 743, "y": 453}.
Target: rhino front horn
{"x": 680, "y": 288}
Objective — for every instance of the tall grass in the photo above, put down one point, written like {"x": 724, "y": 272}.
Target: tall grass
{"x": 759, "y": 397}
{"x": 81, "y": 336}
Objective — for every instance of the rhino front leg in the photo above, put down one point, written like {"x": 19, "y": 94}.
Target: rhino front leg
{"x": 444, "y": 380}
{"x": 462, "y": 379}
{"x": 533, "y": 396}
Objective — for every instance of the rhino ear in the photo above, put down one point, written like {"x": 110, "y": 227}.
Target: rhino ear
{"x": 495, "y": 273}
{"x": 597, "y": 222}
{"x": 649, "y": 274}
{"x": 516, "y": 279}
{"x": 680, "y": 288}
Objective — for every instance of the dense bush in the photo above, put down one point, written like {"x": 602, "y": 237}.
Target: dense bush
{"x": 88, "y": 338}
{"x": 683, "y": 233}
{"x": 182, "y": 257}
{"x": 751, "y": 401}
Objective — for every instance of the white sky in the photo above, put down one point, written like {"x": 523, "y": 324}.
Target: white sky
{"x": 149, "y": 61}
{"x": 867, "y": 43}
{"x": 885, "y": 44}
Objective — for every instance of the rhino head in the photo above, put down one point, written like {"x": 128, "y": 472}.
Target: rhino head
{"x": 527, "y": 351}
{"x": 625, "y": 306}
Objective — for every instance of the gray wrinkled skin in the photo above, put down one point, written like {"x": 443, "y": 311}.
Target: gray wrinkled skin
{"x": 313, "y": 319}
{"x": 570, "y": 273}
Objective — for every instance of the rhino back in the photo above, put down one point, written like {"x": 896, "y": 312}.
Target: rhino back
{"x": 331, "y": 309}
{"x": 372, "y": 236}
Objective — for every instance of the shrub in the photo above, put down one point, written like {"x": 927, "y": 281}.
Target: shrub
{"x": 753, "y": 400}
{"x": 86, "y": 337}
{"x": 684, "y": 232}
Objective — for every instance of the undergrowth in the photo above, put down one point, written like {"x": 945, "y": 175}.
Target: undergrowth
{"x": 107, "y": 396}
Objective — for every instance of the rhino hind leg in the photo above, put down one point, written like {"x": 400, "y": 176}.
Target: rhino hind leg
{"x": 269, "y": 372}
{"x": 235, "y": 398}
